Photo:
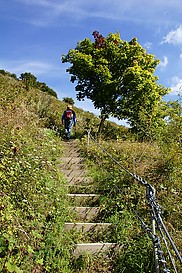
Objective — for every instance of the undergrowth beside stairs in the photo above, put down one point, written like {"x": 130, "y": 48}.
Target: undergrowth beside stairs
{"x": 122, "y": 196}
{"x": 33, "y": 206}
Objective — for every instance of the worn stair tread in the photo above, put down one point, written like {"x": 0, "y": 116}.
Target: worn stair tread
{"x": 85, "y": 227}
{"x": 72, "y": 159}
{"x": 71, "y": 151}
{"x": 79, "y": 180}
{"x": 86, "y": 209}
{"x": 93, "y": 247}
{"x": 83, "y": 200}
{"x": 77, "y": 188}
{"x": 66, "y": 172}
{"x": 83, "y": 194}
{"x": 87, "y": 224}
{"x": 97, "y": 244}
{"x": 86, "y": 213}
{"x": 71, "y": 143}
{"x": 73, "y": 167}
{"x": 74, "y": 173}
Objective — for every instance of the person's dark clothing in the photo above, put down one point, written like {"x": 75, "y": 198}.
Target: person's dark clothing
{"x": 69, "y": 120}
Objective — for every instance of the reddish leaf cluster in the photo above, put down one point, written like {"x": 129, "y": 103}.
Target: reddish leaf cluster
{"x": 99, "y": 39}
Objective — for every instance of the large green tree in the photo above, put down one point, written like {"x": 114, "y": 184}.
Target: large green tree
{"x": 118, "y": 77}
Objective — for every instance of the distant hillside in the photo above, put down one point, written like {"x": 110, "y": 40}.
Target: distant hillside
{"x": 48, "y": 108}
{"x": 30, "y": 80}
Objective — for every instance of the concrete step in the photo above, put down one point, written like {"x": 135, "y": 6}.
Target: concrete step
{"x": 86, "y": 213}
{"x": 94, "y": 248}
{"x": 78, "y": 180}
{"x": 82, "y": 195}
{"x": 73, "y": 173}
{"x": 71, "y": 144}
{"x": 74, "y": 163}
{"x": 72, "y": 167}
{"x": 85, "y": 227}
{"x": 70, "y": 151}
{"x": 83, "y": 199}
{"x": 81, "y": 188}
{"x": 72, "y": 160}
{"x": 67, "y": 173}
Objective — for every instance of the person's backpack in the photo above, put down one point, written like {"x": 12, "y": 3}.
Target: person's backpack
{"x": 68, "y": 114}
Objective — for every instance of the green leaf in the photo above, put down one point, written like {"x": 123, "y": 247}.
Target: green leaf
{"x": 30, "y": 250}
{"x": 17, "y": 270}
{"x": 11, "y": 267}
{"x": 1, "y": 267}
{"x": 40, "y": 261}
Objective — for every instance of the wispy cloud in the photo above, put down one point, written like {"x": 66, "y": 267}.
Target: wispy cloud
{"x": 117, "y": 10}
{"x": 174, "y": 36}
{"x": 43, "y": 3}
{"x": 35, "y": 67}
{"x": 147, "y": 45}
{"x": 176, "y": 86}
{"x": 163, "y": 63}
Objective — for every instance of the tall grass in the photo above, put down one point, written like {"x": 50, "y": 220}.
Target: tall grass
{"x": 33, "y": 193}
{"x": 155, "y": 162}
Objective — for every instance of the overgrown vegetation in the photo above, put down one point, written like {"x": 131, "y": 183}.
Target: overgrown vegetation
{"x": 33, "y": 203}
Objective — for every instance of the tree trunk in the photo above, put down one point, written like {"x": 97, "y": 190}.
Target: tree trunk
{"x": 101, "y": 125}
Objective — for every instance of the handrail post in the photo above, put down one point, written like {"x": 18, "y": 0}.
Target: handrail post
{"x": 150, "y": 194}
{"x": 88, "y": 137}
{"x": 156, "y": 258}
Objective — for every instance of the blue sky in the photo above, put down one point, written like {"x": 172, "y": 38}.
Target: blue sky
{"x": 35, "y": 34}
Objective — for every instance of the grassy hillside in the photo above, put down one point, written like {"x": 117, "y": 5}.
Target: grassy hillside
{"x": 33, "y": 193}
{"x": 33, "y": 205}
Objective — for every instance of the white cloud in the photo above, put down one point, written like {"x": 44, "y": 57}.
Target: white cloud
{"x": 35, "y": 67}
{"x": 180, "y": 56}
{"x": 154, "y": 11}
{"x": 163, "y": 63}
{"x": 174, "y": 36}
{"x": 176, "y": 86}
{"x": 148, "y": 45}
{"x": 44, "y": 3}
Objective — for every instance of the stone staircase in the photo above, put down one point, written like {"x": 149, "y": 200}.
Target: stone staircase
{"x": 84, "y": 203}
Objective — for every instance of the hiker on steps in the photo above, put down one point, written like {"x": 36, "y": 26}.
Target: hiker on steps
{"x": 68, "y": 120}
